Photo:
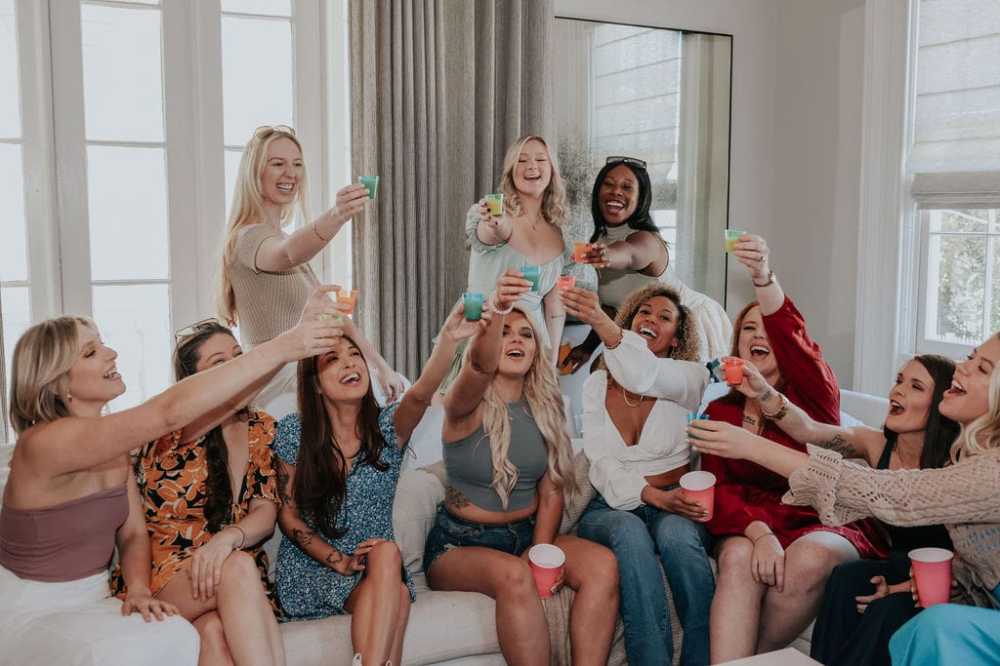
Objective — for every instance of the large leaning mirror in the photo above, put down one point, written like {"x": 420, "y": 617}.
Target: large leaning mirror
{"x": 662, "y": 96}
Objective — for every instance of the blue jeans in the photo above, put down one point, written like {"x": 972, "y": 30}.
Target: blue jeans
{"x": 648, "y": 543}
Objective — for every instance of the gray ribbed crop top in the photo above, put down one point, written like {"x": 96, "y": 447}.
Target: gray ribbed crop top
{"x": 469, "y": 462}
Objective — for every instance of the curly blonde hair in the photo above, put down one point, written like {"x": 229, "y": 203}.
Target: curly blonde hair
{"x": 687, "y": 328}
{"x": 553, "y": 199}
{"x": 982, "y": 434}
{"x": 541, "y": 392}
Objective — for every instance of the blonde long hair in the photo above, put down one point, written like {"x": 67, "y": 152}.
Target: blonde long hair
{"x": 541, "y": 392}
{"x": 42, "y": 360}
{"x": 982, "y": 434}
{"x": 554, "y": 197}
{"x": 248, "y": 208}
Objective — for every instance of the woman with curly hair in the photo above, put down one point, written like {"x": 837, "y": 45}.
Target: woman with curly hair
{"x": 509, "y": 469}
{"x": 634, "y": 412}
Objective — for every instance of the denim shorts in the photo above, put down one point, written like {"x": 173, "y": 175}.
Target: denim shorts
{"x": 450, "y": 532}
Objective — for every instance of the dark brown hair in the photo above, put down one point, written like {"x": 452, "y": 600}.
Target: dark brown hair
{"x": 320, "y": 471}
{"x": 941, "y": 432}
{"x": 218, "y": 488}
{"x": 686, "y": 333}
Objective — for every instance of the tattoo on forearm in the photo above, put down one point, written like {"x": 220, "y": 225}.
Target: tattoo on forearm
{"x": 768, "y": 395}
{"x": 840, "y": 444}
{"x": 303, "y": 537}
{"x": 283, "y": 486}
{"x": 453, "y": 497}
{"x": 334, "y": 558}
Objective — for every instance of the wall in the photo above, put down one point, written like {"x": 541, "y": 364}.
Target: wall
{"x": 796, "y": 142}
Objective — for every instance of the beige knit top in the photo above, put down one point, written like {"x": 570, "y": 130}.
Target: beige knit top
{"x": 964, "y": 497}
{"x": 267, "y": 304}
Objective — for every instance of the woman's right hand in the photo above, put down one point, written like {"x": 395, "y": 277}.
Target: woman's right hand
{"x": 500, "y": 224}
{"x": 350, "y": 201}
{"x": 753, "y": 386}
{"x": 319, "y": 327}
{"x": 576, "y": 358}
{"x": 675, "y": 501}
{"x": 510, "y": 287}
{"x": 583, "y": 304}
{"x": 348, "y": 565}
{"x": 767, "y": 565}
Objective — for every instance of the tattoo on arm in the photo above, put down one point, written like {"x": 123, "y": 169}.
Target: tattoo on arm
{"x": 334, "y": 558}
{"x": 303, "y": 537}
{"x": 283, "y": 486}
{"x": 453, "y": 497}
{"x": 840, "y": 444}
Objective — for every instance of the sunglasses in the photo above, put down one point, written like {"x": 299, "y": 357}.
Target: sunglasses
{"x": 265, "y": 131}
{"x": 197, "y": 327}
{"x": 631, "y": 161}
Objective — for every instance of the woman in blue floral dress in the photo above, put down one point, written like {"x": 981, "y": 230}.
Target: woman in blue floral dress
{"x": 340, "y": 459}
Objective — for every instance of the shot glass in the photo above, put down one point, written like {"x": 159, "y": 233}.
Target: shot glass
{"x": 495, "y": 203}
{"x": 371, "y": 184}
{"x": 472, "y": 305}
{"x": 532, "y": 273}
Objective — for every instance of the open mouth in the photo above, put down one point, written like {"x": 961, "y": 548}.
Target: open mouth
{"x": 515, "y": 353}
{"x": 533, "y": 177}
{"x": 351, "y": 379}
{"x": 614, "y": 205}
{"x": 956, "y": 388}
{"x": 895, "y": 409}
{"x": 647, "y": 332}
{"x": 287, "y": 188}
{"x": 112, "y": 374}
{"x": 759, "y": 351}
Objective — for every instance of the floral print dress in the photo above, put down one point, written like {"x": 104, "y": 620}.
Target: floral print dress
{"x": 308, "y": 589}
{"x": 172, "y": 481}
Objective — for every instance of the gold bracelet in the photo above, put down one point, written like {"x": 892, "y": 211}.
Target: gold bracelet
{"x": 621, "y": 336}
{"x": 315, "y": 229}
{"x": 243, "y": 536}
{"x": 782, "y": 411}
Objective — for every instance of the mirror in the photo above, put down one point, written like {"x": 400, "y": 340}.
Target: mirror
{"x": 662, "y": 96}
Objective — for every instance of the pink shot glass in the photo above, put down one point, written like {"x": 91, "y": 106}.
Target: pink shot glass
{"x": 932, "y": 573}
{"x": 546, "y": 562}
{"x": 700, "y": 487}
{"x": 564, "y": 282}
{"x": 733, "y": 368}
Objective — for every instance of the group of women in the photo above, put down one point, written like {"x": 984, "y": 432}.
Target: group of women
{"x": 305, "y": 425}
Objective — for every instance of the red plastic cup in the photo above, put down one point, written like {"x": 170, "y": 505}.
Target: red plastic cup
{"x": 564, "y": 282}
{"x": 546, "y": 563}
{"x": 700, "y": 487}
{"x": 932, "y": 573}
{"x": 580, "y": 251}
{"x": 733, "y": 367}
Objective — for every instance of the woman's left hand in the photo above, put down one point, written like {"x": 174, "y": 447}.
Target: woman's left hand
{"x": 752, "y": 251}
{"x": 392, "y": 383}
{"x": 205, "y": 569}
{"x": 753, "y": 385}
{"x": 457, "y": 328}
{"x": 722, "y": 439}
{"x": 583, "y": 304}
{"x": 142, "y": 602}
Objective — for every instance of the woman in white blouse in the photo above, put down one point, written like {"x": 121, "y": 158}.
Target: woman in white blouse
{"x": 634, "y": 419}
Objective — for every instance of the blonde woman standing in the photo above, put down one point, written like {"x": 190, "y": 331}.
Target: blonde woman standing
{"x": 265, "y": 277}
{"x": 509, "y": 468}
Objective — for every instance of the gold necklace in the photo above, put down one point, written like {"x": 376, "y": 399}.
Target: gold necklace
{"x": 625, "y": 398}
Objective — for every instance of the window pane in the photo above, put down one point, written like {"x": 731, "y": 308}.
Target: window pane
{"x": 233, "y": 158}
{"x": 975, "y": 221}
{"x": 128, "y": 213}
{"x": 122, "y": 75}
{"x": 995, "y": 286}
{"x": 256, "y": 75}
{"x": 957, "y": 282}
{"x": 16, "y": 320}
{"x": 269, "y": 7}
{"x": 134, "y": 320}
{"x": 10, "y": 113}
{"x": 13, "y": 249}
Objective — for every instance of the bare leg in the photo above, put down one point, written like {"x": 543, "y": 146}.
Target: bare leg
{"x": 374, "y": 605}
{"x": 592, "y": 572}
{"x": 808, "y": 563}
{"x": 214, "y": 649}
{"x": 247, "y": 620}
{"x": 735, "y": 614}
{"x": 404, "y": 617}
{"x": 521, "y": 628}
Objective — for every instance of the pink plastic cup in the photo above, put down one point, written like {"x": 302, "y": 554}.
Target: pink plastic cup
{"x": 932, "y": 573}
{"x": 546, "y": 563}
{"x": 733, "y": 368}
{"x": 700, "y": 487}
{"x": 564, "y": 282}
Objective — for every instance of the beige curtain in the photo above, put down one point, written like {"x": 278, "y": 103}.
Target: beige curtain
{"x": 439, "y": 89}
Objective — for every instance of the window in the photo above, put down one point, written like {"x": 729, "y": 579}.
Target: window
{"x": 953, "y": 164}
{"x": 144, "y": 149}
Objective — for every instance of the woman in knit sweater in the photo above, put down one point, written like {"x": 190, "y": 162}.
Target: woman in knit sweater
{"x": 962, "y": 496}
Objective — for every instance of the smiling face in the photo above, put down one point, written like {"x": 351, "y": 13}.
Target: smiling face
{"x": 618, "y": 196}
{"x": 518, "y": 346}
{"x": 755, "y": 347}
{"x": 533, "y": 171}
{"x": 910, "y": 399}
{"x": 282, "y": 173}
{"x": 969, "y": 395}
{"x": 216, "y": 350}
{"x": 94, "y": 378}
{"x": 342, "y": 372}
{"x": 657, "y": 320}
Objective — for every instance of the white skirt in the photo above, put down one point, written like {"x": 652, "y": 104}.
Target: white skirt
{"x": 77, "y": 624}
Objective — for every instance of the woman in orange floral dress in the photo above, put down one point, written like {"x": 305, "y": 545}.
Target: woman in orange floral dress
{"x": 210, "y": 498}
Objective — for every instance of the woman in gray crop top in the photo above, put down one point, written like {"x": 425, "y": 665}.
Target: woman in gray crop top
{"x": 509, "y": 468}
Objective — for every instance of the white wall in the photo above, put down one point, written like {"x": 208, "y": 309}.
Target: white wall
{"x": 796, "y": 139}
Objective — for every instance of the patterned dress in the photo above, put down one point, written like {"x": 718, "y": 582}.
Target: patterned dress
{"x": 308, "y": 589}
{"x": 172, "y": 475}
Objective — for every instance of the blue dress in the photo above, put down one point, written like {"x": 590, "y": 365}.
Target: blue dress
{"x": 306, "y": 588}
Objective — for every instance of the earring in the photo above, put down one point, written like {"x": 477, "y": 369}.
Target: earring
{"x": 69, "y": 398}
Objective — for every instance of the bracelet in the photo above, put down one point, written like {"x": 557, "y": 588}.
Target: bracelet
{"x": 621, "y": 336}
{"x": 780, "y": 414}
{"x": 496, "y": 310}
{"x": 315, "y": 229}
{"x": 243, "y": 536}
{"x": 770, "y": 280}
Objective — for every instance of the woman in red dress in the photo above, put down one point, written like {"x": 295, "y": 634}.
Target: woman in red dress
{"x": 773, "y": 558}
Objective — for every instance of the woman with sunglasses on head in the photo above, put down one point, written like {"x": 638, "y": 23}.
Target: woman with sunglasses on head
{"x": 339, "y": 460}
{"x": 71, "y": 496}
{"x": 629, "y": 253}
{"x": 962, "y": 496}
{"x": 265, "y": 276}
{"x": 210, "y": 496}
